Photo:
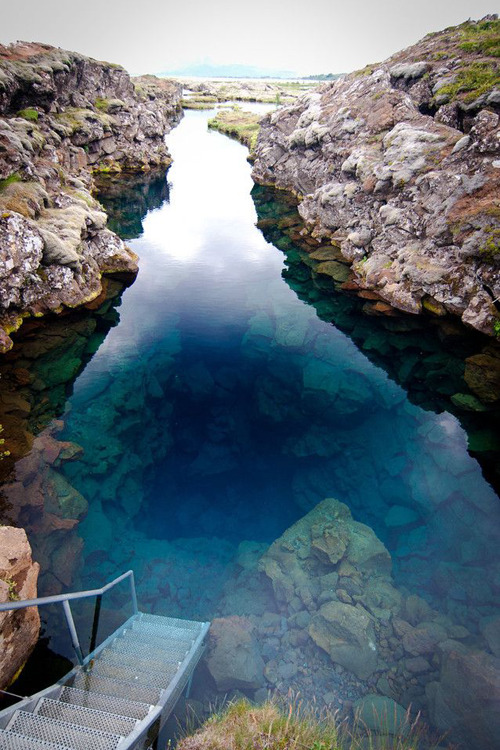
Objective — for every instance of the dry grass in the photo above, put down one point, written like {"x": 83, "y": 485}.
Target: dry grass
{"x": 279, "y": 725}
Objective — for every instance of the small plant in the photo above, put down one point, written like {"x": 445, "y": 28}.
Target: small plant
{"x": 3, "y": 454}
{"x": 12, "y": 586}
{"x": 28, "y": 114}
{"x": 496, "y": 328}
{"x": 9, "y": 180}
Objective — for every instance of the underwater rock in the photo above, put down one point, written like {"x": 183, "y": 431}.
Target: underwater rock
{"x": 467, "y": 698}
{"x": 233, "y": 657}
{"x": 340, "y": 572}
{"x": 482, "y": 375}
{"x": 18, "y": 580}
{"x": 382, "y": 715}
{"x": 347, "y": 634}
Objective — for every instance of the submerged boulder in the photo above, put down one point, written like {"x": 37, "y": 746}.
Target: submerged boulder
{"x": 337, "y": 570}
{"x": 233, "y": 657}
{"x": 347, "y": 634}
{"x": 467, "y": 698}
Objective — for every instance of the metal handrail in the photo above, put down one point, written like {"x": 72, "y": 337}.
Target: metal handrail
{"x": 65, "y": 599}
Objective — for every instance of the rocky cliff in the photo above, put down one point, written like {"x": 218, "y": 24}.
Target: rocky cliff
{"x": 398, "y": 165}
{"x": 18, "y": 578}
{"x": 63, "y": 117}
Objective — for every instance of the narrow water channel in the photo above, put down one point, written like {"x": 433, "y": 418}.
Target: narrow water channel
{"x": 221, "y": 408}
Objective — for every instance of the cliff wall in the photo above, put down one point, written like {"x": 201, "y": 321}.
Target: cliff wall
{"x": 63, "y": 117}
{"x": 399, "y": 165}
{"x": 18, "y": 579}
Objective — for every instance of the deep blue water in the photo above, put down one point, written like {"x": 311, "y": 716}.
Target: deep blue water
{"x": 222, "y": 408}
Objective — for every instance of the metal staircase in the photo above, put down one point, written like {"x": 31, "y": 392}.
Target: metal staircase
{"x": 120, "y": 695}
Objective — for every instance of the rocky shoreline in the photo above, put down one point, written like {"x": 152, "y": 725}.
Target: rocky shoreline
{"x": 64, "y": 117}
{"x": 398, "y": 166}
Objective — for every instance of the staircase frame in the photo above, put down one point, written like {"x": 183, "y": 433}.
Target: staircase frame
{"x": 158, "y": 713}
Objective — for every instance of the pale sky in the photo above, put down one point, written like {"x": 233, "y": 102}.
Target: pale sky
{"x": 311, "y": 36}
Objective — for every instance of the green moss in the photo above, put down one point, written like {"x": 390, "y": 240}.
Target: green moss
{"x": 482, "y": 38}
{"x": 472, "y": 81}
{"x": 491, "y": 248}
{"x": 101, "y": 104}
{"x": 9, "y": 180}
{"x": 28, "y": 114}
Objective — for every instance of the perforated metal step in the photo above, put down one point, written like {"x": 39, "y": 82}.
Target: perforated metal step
{"x": 166, "y": 625}
{"x": 174, "y": 622}
{"x": 51, "y": 730}
{"x": 154, "y": 643}
{"x": 85, "y": 717}
{"x": 96, "y": 684}
{"x": 134, "y": 676}
{"x": 101, "y": 702}
{"x": 143, "y": 658}
{"x": 14, "y": 741}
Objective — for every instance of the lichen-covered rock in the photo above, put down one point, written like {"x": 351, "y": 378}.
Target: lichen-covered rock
{"x": 63, "y": 117}
{"x": 18, "y": 579}
{"x": 399, "y": 165}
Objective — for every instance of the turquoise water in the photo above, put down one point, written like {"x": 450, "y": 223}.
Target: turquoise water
{"x": 225, "y": 404}
{"x": 221, "y": 408}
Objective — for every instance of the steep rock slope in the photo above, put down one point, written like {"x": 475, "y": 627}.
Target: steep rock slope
{"x": 399, "y": 165}
{"x": 62, "y": 117}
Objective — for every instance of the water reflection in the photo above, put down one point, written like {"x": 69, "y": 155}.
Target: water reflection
{"x": 128, "y": 200}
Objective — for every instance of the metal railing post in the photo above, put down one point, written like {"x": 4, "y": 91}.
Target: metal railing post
{"x": 95, "y": 623}
{"x": 72, "y": 631}
{"x": 133, "y": 593}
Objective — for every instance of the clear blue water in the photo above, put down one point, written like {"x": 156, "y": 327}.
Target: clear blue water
{"x": 222, "y": 408}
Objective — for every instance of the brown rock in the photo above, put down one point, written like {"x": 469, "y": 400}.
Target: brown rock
{"x": 347, "y": 634}
{"x": 18, "y": 579}
{"x": 482, "y": 375}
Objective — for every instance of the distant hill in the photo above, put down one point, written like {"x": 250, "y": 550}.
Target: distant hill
{"x": 323, "y": 77}
{"x": 208, "y": 70}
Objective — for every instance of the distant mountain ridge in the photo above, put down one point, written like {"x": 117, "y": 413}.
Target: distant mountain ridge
{"x": 235, "y": 70}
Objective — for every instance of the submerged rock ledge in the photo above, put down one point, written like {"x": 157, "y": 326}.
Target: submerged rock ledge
{"x": 64, "y": 116}
{"x": 399, "y": 165}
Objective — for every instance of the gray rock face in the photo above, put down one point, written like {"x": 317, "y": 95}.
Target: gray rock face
{"x": 62, "y": 117}
{"x": 18, "y": 579}
{"x": 386, "y": 181}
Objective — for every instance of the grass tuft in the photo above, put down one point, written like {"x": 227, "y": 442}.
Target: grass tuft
{"x": 473, "y": 80}
{"x": 288, "y": 724}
